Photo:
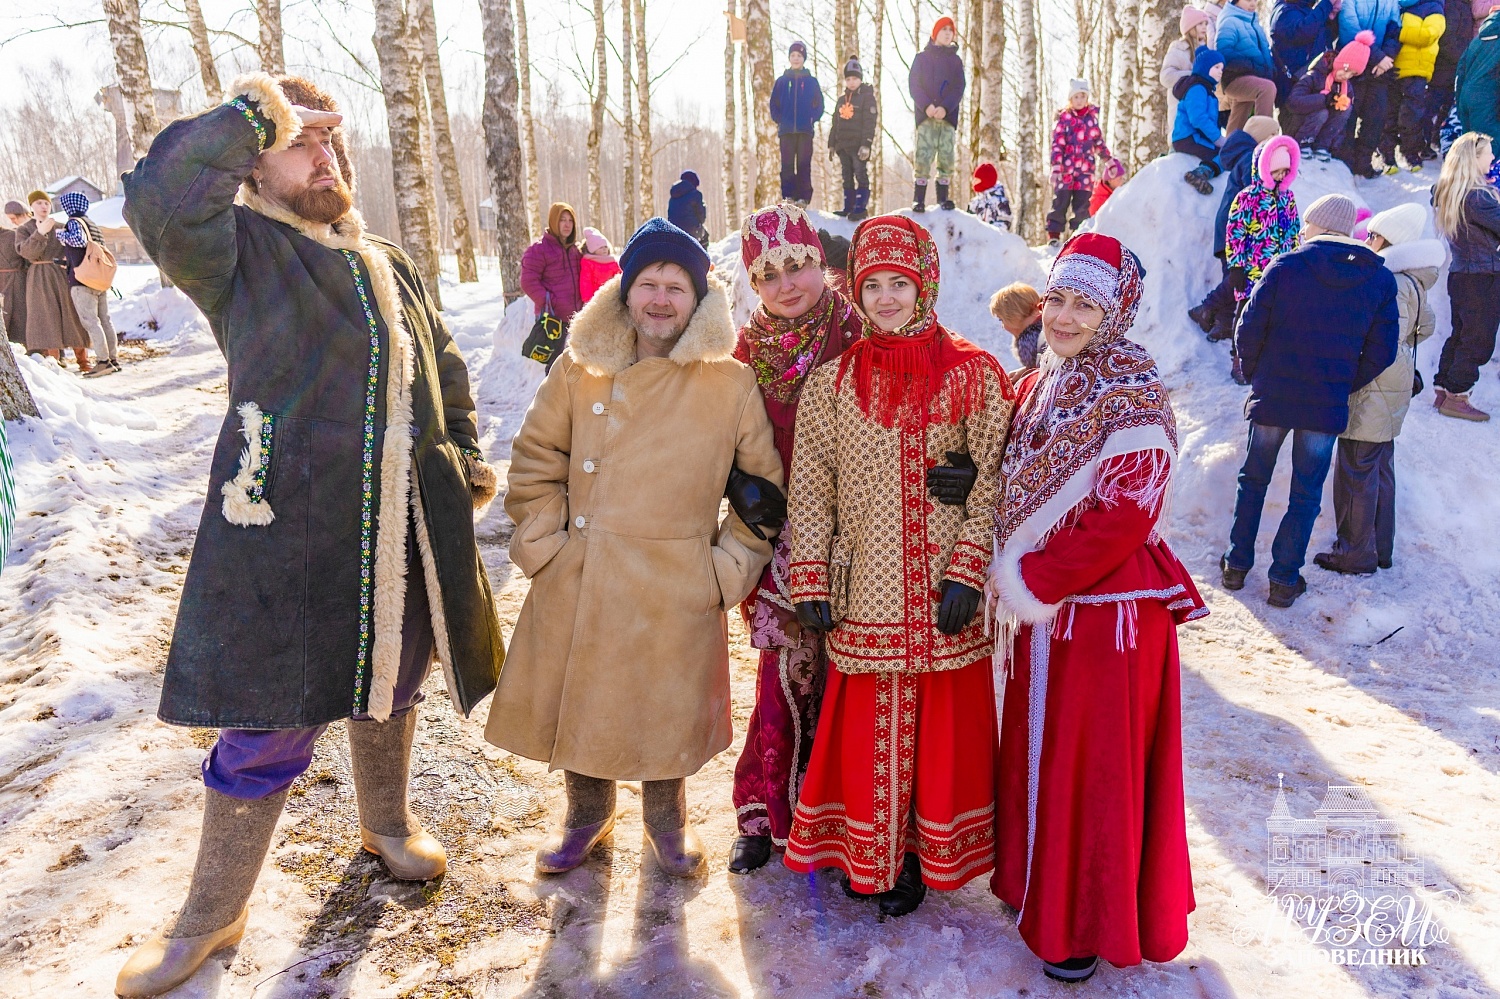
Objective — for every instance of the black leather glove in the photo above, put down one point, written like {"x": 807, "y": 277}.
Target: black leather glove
{"x": 952, "y": 483}
{"x": 816, "y": 615}
{"x": 757, "y": 501}
{"x": 1239, "y": 280}
{"x": 956, "y": 610}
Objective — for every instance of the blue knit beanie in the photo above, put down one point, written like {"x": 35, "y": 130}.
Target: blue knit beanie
{"x": 660, "y": 242}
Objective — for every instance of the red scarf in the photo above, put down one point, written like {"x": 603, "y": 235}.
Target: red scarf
{"x": 921, "y": 378}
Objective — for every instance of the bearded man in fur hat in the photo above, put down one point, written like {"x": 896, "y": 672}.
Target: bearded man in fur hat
{"x": 336, "y": 557}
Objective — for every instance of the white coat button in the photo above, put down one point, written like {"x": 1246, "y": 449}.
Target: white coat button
{"x": 598, "y": 408}
{"x": 579, "y": 522}
{"x": 588, "y": 466}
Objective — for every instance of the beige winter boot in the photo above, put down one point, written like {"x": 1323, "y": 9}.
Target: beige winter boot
{"x": 673, "y": 840}
{"x": 1457, "y": 405}
{"x": 590, "y": 818}
{"x": 232, "y": 848}
{"x": 380, "y": 753}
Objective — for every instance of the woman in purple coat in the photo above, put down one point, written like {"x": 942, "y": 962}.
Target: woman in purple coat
{"x": 550, "y": 266}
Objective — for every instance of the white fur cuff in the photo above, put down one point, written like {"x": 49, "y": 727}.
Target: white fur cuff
{"x": 263, "y": 89}
{"x": 1014, "y": 596}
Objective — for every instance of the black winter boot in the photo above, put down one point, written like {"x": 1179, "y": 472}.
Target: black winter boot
{"x": 861, "y": 205}
{"x": 919, "y": 199}
{"x": 848, "y": 204}
{"x": 943, "y": 200}
{"x": 749, "y": 853}
{"x": 1223, "y": 327}
{"x": 909, "y": 891}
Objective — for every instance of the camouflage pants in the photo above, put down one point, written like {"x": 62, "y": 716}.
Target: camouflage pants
{"x": 935, "y": 141}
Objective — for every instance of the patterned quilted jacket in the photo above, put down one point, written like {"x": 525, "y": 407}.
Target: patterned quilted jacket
{"x": 1077, "y": 141}
{"x": 1263, "y": 218}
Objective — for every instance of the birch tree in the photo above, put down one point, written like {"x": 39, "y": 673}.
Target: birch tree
{"x": 600, "y": 92}
{"x": 877, "y": 155}
{"x": 1158, "y": 29}
{"x": 643, "y": 109}
{"x": 529, "y": 157}
{"x": 272, "y": 56}
{"x": 401, "y": 83}
{"x": 442, "y": 140}
{"x": 749, "y": 175}
{"x": 1030, "y": 168}
{"x": 1124, "y": 65}
{"x": 502, "y": 141}
{"x": 731, "y": 193}
{"x": 15, "y": 396}
{"x": 627, "y": 108}
{"x": 976, "y": 43}
{"x": 133, "y": 71}
{"x": 198, "y": 29}
{"x": 991, "y": 77}
{"x": 762, "y": 79}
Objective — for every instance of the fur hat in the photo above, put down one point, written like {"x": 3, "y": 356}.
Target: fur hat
{"x": 1190, "y": 19}
{"x": 1262, "y": 128}
{"x": 1401, "y": 224}
{"x": 985, "y": 177}
{"x": 658, "y": 241}
{"x": 777, "y": 236}
{"x": 1334, "y": 212}
{"x": 307, "y": 94}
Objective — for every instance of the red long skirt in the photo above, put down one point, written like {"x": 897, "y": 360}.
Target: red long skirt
{"x": 1106, "y": 833}
{"x": 901, "y": 762}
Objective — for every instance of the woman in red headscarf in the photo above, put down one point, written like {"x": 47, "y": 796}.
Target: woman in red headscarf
{"x": 899, "y": 792}
{"x": 1092, "y": 837}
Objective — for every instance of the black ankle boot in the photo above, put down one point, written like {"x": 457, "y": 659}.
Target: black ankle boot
{"x": 848, "y": 204}
{"x": 942, "y": 199}
{"x": 749, "y": 853}
{"x": 919, "y": 199}
{"x": 1072, "y": 971}
{"x": 908, "y": 892}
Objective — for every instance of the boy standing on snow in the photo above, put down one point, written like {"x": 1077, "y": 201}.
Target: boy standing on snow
{"x": 937, "y": 86}
{"x": 1077, "y": 141}
{"x": 796, "y": 107}
{"x": 1321, "y": 324}
{"x": 1364, "y": 483}
{"x": 1422, "y": 28}
{"x": 850, "y": 138}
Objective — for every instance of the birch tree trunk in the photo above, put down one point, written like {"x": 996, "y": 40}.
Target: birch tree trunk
{"x": 978, "y": 46}
{"x": 401, "y": 82}
{"x": 198, "y": 29}
{"x": 1158, "y": 28}
{"x": 442, "y": 141}
{"x": 762, "y": 79}
{"x": 596, "y": 116}
{"x": 530, "y": 161}
{"x": 272, "y": 56}
{"x": 15, "y": 397}
{"x": 731, "y": 192}
{"x": 502, "y": 141}
{"x": 749, "y": 175}
{"x": 627, "y": 106}
{"x": 1125, "y": 73}
{"x": 992, "y": 75}
{"x": 877, "y": 150}
{"x": 1031, "y": 171}
{"x": 133, "y": 70}
{"x": 643, "y": 111}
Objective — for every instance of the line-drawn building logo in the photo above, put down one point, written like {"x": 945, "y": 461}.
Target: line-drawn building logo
{"x": 1346, "y": 846}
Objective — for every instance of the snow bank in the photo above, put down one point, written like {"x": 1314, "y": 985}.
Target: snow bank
{"x": 147, "y": 311}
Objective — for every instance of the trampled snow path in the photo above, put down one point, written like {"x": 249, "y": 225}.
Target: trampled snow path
{"x": 100, "y": 804}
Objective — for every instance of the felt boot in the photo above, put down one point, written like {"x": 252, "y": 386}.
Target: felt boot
{"x": 231, "y": 849}
{"x": 381, "y": 756}
{"x": 672, "y": 838}
{"x": 943, "y": 201}
{"x": 591, "y": 817}
{"x": 919, "y": 198}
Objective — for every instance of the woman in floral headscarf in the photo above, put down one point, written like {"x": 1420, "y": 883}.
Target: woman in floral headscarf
{"x": 1092, "y": 838}
{"x": 899, "y": 791}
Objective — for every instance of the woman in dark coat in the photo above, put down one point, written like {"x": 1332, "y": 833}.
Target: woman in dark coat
{"x": 335, "y": 559}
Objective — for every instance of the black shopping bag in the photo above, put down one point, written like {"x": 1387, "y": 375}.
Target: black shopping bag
{"x": 546, "y": 339}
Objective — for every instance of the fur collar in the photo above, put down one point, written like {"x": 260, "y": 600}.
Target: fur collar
{"x": 602, "y": 341}
{"x": 348, "y": 233}
{"x": 1419, "y": 254}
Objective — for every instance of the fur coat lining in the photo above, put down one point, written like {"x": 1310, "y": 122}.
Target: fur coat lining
{"x": 602, "y": 341}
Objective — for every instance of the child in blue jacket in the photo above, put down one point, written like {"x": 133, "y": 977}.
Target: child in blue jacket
{"x": 1196, "y": 130}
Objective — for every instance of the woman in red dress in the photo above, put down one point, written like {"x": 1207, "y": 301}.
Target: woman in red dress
{"x": 1091, "y": 831}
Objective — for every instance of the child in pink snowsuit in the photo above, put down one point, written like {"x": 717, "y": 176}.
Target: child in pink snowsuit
{"x": 598, "y": 266}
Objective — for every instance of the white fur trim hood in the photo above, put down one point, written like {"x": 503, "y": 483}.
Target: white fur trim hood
{"x": 601, "y": 339}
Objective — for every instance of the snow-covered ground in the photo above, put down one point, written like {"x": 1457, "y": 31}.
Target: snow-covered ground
{"x": 1387, "y": 682}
